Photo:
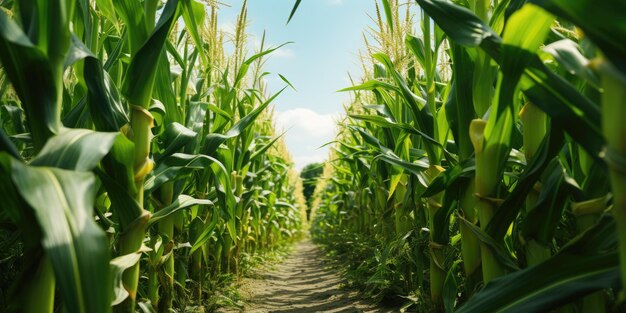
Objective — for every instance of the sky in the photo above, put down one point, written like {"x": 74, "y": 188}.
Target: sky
{"x": 326, "y": 36}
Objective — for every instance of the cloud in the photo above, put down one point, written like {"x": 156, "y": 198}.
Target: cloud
{"x": 284, "y": 53}
{"x": 335, "y": 2}
{"x": 302, "y": 161}
{"x": 307, "y": 130}
{"x": 227, "y": 27}
{"x": 306, "y": 122}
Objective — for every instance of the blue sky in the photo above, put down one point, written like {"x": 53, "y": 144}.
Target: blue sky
{"x": 327, "y": 36}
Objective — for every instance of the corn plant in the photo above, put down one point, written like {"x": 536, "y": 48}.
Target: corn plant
{"x": 133, "y": 146}
{"x": 482, "y": 139}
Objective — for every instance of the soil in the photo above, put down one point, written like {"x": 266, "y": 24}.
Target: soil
{"x": 303, "y": 283}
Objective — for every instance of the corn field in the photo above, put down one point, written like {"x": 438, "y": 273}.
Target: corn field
{"x": 480, "y": 163}
{"x": 139, "y": 164}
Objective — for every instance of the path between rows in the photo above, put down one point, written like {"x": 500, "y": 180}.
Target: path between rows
{"x": 301, "y": 283}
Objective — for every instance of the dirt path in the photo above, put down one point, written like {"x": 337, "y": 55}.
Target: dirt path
{"x": 302, "y": 283}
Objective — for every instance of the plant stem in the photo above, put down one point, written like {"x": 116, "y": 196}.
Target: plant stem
{"x": 130, "y": 242}
{"x": 486, "y": 182}
{"x": 614, "y": 128}
{"x": 132, "y": 237}
{"x": 535, "y": 128}
{"x": 166, "y": 228}
{"x": 438, "y": 269}
{"x": 39, "y": 294}
{"x": 470, "y": 244}
{"x": 587, "y": 213}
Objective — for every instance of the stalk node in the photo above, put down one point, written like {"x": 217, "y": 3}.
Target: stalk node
{"x": 143, "y": 111}
{"x": 593, "y": 206}
{"x": 141, "y": 220}
{"x": 434, "y": 245}
{"x": 614, "y": 159}
{"x": 537, "y": 187}
{"x": 143, "y": 169}
{"x": 434, "y": 204}
{"x": 127, "y": 130}
{"x": 490, "y": 200}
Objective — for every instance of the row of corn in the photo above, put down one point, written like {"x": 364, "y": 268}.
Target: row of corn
{"x": 481, "y": 165}
{"x": 138, "y": 159}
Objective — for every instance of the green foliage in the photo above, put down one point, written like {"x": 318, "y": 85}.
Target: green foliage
{"x": 481, "y": 141}
{"x": 310, "y": 175}
{"x": 130, "y": 149}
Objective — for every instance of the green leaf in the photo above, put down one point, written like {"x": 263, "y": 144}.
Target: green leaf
{"x": 373, "y": 84}
{"x": 143, "y": 67}
{"x": 174, "y": 167}
{"x": 165, "y": 94}
{"x": 459, "y": 23}
{"x": 206, "y": 233}
{"x": 422, "y": 116}
{"x": 182, "y": 202}
{"x": 517, "y": 52}
{"x": 107, "y": 111}
{"x": 573, "y": 61}
{"x": 287, "y": 82}
{"x": 108, "y": 9}
{"x": 601, "y": 21}
{"x": 507, "y": 211}
{"x": 388, "y": 14}
{"x": 293, "y": 11}
{"x": 133, "y": 15}
{"x": 119, "y": 181}
{"x": 500, "y": 252}
{"x": 556, "y": 187}
{"x": 214, "y": 140}
{"x": 6, "y": 145}
{"x": 464, "y": 169}
{"x": 389, "y": 123}
{"x": 243, "y": 70}
{"x": 174, "y": 138}
{"x": 75, "y": 149}
{"x": 450, "y": 288}
{"x": 118, "y": 266}
{"x": 263, "y": 149}
{"x": 63, "y": 204}
{"x": 416, "y": 45}
{"x": 194, "y": 15}
{"x": 587, "y": 264}
{"x": 22, "y": 60}
{"x": 551, "y": 93}
{"x": 459, "y": 107}
{"x": 416, "y": 168}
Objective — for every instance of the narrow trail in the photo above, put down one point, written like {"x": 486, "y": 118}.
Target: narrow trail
{"x": 301, "y": 283}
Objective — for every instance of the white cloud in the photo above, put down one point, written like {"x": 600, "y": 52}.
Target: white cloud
{"x": 306, "y": 122}
{"x": 335, "y": 2}
{"x": 227, "y": 27}
{"x": 283, "y": 53}
{"x": 307, "y": 131}
{"x": 302, "y": 161}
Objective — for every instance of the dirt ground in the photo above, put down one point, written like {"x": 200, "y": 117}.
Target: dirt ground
{"x": 301, "y": 283}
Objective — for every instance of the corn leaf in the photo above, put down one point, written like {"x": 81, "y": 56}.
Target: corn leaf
{"x": 143, "y": 67}
{"x": 182, "y": 202}
{"x": 602, "y": 21}
{"x": 587, "y": 264}
{"x": 62, "y": 202}
{"x": 552, "y": 94}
